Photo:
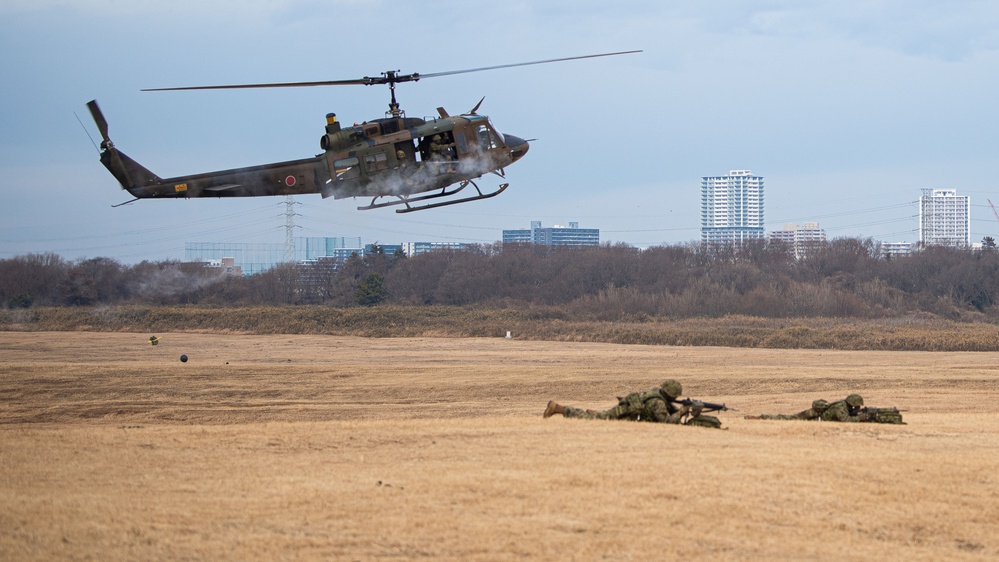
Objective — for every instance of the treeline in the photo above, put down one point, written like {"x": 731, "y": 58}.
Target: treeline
{"x": 846, "y": 277}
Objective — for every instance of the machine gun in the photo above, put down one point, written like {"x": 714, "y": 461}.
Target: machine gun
{"x": 880, "y": 415}
{"x": 705, "y": 406}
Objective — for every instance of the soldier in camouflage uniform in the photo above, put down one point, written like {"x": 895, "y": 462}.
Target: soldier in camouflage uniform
{"x": 845, "y": 410}
{"x": 441, "y": 150}
{"x": 655, "y": 405}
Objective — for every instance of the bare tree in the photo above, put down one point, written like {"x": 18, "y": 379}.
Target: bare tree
{"x": 32, "y": 279}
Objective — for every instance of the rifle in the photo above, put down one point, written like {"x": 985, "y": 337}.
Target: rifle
{"x": 705, "y": 406}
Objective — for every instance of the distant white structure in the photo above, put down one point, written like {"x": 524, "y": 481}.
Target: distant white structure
{"x": 800, "y": 238}
{"x": 944, "y": 218}
{"x": 417, "y": 248}
{"x": 226, "y": 265}
{"x": 252, "y": 258}
{"x": 731, "y": 208}
{"x": 896, "y": 249}
{"x": 556, "y": 235}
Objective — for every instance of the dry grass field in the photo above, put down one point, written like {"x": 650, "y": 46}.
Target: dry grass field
{"x": 321, "y": 447}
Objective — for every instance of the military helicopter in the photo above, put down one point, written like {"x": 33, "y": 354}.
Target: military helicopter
{"x": 395, "y": 160}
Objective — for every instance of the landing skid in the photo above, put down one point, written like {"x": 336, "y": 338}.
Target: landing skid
{"x": 406, "y": 200}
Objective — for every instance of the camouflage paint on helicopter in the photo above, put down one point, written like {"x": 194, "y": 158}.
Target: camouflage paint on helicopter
{"x": 403, "y": 160}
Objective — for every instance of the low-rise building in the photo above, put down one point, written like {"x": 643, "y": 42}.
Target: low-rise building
{"x": 896, "y": 249}
{"x": 556, "y": 235}
{"x": 801, "y": 239}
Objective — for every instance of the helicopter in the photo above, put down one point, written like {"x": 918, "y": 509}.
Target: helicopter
{"x": 397, "y": 161}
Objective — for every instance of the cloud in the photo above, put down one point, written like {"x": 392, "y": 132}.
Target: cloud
{"x": 950, "y": 30}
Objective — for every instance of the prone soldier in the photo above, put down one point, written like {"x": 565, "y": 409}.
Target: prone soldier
{"x": 655, "y": 405}
{"x": 850, "y": 409}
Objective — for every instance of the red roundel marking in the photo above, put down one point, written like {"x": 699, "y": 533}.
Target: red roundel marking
{"x": 289, "y": 181}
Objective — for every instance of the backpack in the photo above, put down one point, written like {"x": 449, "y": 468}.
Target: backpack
{"x": 704, "y": 421}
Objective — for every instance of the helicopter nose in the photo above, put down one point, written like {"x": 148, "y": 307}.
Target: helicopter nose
{"x": 518, "y": 146}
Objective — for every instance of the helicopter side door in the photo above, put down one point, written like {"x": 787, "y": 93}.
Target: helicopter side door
{"x": 461, "y": 142}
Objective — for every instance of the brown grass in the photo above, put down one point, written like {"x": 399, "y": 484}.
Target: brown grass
{"x": 319, "y": 447}
{"x": 911, "y": 333}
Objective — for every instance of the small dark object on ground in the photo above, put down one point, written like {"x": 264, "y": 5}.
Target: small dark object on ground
{"x": 183, "y": 359}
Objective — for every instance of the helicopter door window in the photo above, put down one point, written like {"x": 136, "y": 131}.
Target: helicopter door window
{"x": 404, "y": 153}
{"x": 346, "y": 168}
{"x": 376, "y": 162}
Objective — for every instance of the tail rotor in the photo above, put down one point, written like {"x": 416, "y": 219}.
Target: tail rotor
{"x": 132, "y": 176}
{"x": 102, "y": 123}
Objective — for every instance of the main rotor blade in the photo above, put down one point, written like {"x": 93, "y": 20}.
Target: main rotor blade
{"x": 390, "y": 77}
{"x": 358, "y": 82}
{"x": 436, "y": 74}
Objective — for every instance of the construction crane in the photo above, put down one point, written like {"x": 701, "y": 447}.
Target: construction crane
{"x": 993, "y": 207}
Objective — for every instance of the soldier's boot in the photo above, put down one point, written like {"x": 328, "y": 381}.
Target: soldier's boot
{"x": 553, "y": 408}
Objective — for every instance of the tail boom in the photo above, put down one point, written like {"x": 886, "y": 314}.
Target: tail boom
{"x": 293, "y": 177}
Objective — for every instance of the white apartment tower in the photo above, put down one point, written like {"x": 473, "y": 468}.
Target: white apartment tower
{"x": 944, "y": 218}
{"x": 801, "y": 239}
{"x": 731, "y": 208}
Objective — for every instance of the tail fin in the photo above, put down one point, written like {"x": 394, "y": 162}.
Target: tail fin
{"x": 132, "y": 176}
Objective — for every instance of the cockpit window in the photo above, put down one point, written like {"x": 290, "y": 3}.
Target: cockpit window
{"x": 487, "y": 138}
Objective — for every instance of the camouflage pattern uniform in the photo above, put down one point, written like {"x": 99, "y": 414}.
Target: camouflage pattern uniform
{"x": 842, "y": 411}
{"x": 441, "y": 151}
{"x": 655, "y": 405}
{"x": 652, "y": 406}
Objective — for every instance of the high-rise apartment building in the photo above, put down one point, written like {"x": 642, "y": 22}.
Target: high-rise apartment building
{"x": 944, "y": 218}
{"x": 731, "y": 208}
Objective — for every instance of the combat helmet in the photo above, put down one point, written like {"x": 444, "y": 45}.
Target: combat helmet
{"x": 672, "y": 388}
{"x": 854, "y": 400}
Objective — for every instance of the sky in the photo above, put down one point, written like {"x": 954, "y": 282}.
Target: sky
{"x": 848, "y": 109}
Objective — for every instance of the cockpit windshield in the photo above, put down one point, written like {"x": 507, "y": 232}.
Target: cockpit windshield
{"x": 488, "y": 136}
